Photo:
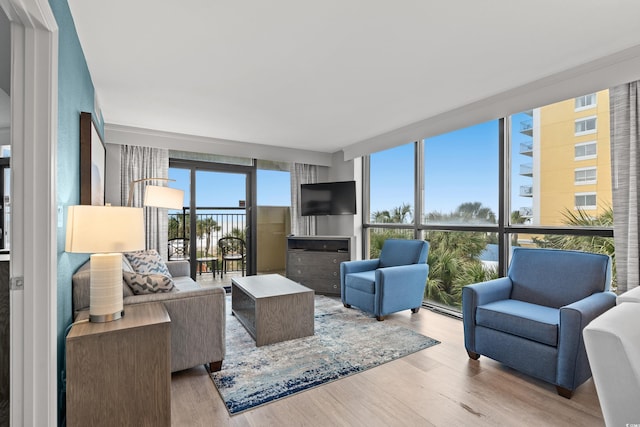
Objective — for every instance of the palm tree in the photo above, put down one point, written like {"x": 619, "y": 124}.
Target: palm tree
{"x": 399, "y": 215}
{"x": 476, "y": 213}
{"x": 596, "y": 244}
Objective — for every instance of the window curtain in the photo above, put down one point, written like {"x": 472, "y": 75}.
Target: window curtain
{"x": 625, "y": 176}
{"x": 146, "y": 162}
{"x": 301, "y": 174}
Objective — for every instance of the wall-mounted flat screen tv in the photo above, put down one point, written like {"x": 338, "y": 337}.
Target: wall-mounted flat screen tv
{"x": 328, "y": 198}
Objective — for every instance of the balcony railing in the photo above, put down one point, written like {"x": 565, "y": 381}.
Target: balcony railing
{"x": 526, "y": 191}
{"x": 526, "y": 212}
{"x": 526, "y": 148}
{"x": 526, "y": 127}
{"x": 526, "y": 169}
{"x": 211, "y": 225}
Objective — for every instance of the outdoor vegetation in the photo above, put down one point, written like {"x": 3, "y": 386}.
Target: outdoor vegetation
{"x": 455, "y": 256}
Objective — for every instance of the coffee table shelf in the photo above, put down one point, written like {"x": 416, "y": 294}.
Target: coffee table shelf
{"x": 272, "y": 308}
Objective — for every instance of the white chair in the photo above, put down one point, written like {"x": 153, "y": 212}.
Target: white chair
{"x": 612, "y": 341}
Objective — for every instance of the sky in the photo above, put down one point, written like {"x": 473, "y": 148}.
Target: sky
{"x": 460, "y": 167}
{"x": 220, "y": 189}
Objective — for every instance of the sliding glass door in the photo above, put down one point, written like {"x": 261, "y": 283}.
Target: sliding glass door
{"x": 219, "y": 238}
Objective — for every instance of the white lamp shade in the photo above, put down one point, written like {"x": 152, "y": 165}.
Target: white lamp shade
{"x": 163, "y": 197}
{"x": 104, "y": 229}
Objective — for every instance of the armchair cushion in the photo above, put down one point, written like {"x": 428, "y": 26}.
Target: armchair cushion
{"x": 364, "y": 281}
{"x": 531, "y": 321}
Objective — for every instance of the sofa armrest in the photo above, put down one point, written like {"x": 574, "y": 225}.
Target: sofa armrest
{"x": 179, "y": 268}
{"x": 197, "y": 325}
{"x": 573, "y": 366}
{"x": 632, "y": 295}
{"x": 480, "y": 294}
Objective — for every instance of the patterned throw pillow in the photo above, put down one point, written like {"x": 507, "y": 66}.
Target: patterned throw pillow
{"x": 145, "y": 262}
{"x": 148, "y": 283}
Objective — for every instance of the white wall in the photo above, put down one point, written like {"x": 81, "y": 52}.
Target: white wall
{"x": 344, "y": 225}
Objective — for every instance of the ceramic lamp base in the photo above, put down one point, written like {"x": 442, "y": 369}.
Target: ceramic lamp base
{"x": 105, "y": 294}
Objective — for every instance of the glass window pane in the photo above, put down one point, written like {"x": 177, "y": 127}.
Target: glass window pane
{"x": 567, "y": 162}
{"x": 461, "y": 176}
{"x": 274, "y": 188}
{"x": 392, "y": 185}
{"x": 457, "y": 259}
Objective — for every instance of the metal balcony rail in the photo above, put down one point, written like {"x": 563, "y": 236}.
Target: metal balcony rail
{"x": 212, "y": 223}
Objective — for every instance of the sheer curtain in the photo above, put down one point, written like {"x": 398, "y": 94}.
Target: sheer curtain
{"x": 625, "y": 175}
{"x": 146, "y": 162}
{"x": 301, "y": 174}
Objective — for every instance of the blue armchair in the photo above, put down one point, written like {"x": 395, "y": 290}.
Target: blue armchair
{"x": 391, "y": 283}
{"x": 532, "y": 320}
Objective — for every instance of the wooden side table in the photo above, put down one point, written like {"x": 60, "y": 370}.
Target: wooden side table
{"x": 119, "y": 372}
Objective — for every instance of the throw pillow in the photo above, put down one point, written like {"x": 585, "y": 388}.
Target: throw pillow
{"x": 146, "y": 262}
{"x": 148, "y": 283}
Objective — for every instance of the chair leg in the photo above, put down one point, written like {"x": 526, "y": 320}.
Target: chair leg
{"x": 473, "y": 355}
{"x": 415, "y": 310}
{"x": 564, "y": 392}
{"x": 379, "y": 318}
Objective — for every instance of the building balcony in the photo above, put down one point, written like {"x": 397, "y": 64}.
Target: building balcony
{"x": 526, "y": 127}
{"x": 526, "y": 169}
{"x": 526, "y": 191}
{"x": 526, "y": 148}
{"x": 526, "y": 212}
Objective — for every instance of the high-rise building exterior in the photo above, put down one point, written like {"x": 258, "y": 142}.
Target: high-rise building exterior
{"x": 567, "y": 159}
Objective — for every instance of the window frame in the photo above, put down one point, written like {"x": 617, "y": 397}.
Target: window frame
{"x": 586, "y": 156}
{"x": 586, "y": 180}
{"x": 586, "y": 120}
{"x": 593, "y": 96}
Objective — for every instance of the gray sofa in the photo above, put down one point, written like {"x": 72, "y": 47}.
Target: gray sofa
{"x": 197, "y": 315}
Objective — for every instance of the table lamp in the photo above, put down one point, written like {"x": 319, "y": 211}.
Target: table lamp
{"x": 105, "y": 232}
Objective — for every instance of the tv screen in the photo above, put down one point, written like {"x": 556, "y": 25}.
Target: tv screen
{"x": 328, "y": 198}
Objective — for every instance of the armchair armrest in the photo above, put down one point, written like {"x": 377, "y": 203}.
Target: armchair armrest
{"x": 573, "y": 366}
{"x": 359, "y": 266}
{"x": 347, "y": 267}
{"x": 480, "y": 294}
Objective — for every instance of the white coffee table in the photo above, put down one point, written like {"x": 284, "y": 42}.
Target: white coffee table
{"x": 272, "y": 308}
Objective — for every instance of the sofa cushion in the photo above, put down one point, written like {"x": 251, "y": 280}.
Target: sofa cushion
{"x": 144, "y": 262}
{"x": 364, "y": 281}
{"x": 526, "y": 320}
{"x": 151, "y": 283}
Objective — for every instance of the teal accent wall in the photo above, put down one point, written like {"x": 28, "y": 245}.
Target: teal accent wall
{"x": 75, "y": 94}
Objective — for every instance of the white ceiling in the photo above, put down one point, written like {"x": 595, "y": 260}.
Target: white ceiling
{"x": 327, "y": 75}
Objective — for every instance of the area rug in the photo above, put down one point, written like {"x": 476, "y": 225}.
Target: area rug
{"x": 346, "y": 341}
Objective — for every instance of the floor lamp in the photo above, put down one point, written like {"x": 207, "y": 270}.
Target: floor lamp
{"x": 157, "y": 196}
{"x": 105, "y": 232}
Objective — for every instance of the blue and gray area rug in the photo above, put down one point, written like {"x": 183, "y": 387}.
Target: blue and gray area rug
{"x": 346, "y": 341}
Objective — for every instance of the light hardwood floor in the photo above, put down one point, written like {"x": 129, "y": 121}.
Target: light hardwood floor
{"x": 438, "y": 386}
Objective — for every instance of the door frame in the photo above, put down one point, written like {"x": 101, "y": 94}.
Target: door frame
{"x": 250, "y": 208}
{"x": 33, "y": 295}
